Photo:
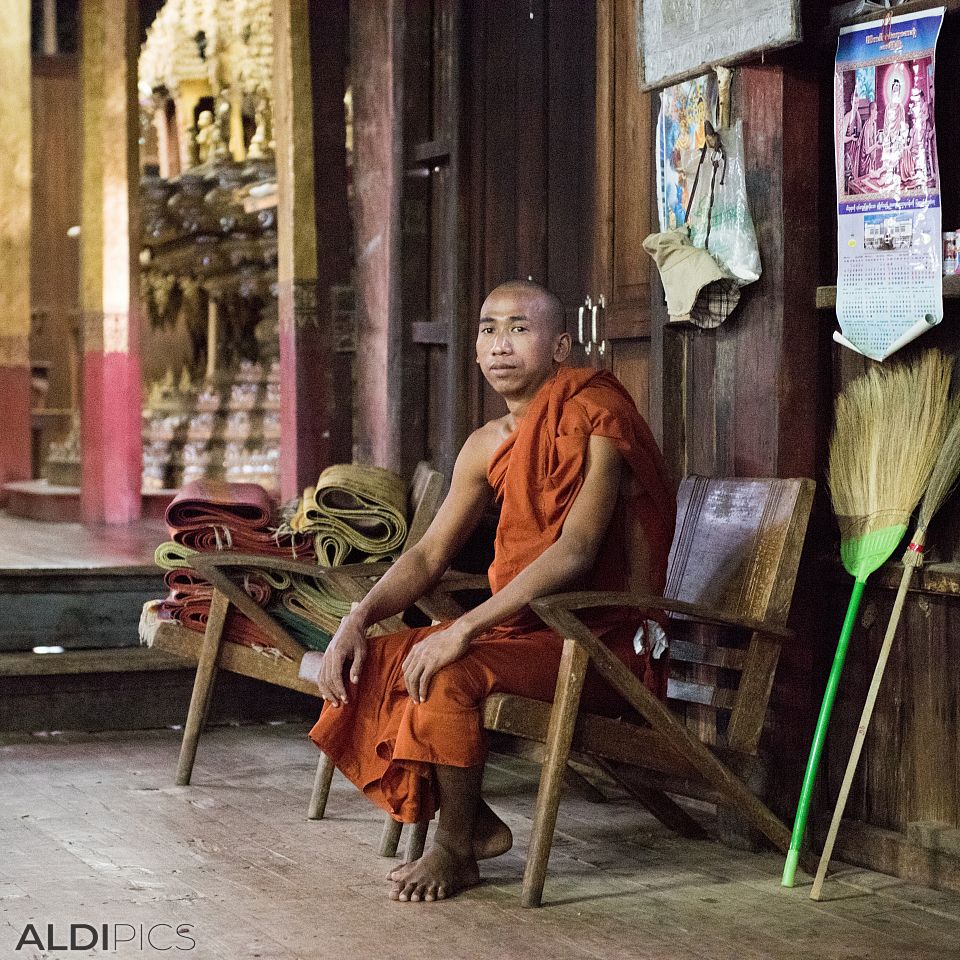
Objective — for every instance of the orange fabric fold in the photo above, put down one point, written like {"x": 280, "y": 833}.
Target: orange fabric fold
{"x": 388, "y": 745}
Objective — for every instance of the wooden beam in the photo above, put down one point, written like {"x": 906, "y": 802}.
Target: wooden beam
{"x": 906, "y": 8}
{"x": 313, "y": 231}
{"x": 123, "y": 660}
{"x": 15, "y": 201}
{"x": 382, "y": 377}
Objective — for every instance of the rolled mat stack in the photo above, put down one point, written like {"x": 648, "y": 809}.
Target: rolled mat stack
{"x": 207, "y": 516}
{"x": 210, "y": 515}
{"x": 354, "y": 514}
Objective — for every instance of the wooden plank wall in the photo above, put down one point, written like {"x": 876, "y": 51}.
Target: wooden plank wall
{"x": 531, "y": 148}
{"x": 751, "y": 398}
{"x": 756, "y": 397}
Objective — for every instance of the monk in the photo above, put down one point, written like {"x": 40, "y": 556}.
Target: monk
{"x": 585, "y": 503}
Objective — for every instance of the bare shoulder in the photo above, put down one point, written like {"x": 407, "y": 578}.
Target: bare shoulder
{"x": 483, "y": 442}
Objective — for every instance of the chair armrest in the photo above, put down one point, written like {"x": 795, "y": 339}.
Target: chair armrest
{"x": 227, "y": 558}
{"x": 454, "y": 580}
{"x": 588, "y": 599}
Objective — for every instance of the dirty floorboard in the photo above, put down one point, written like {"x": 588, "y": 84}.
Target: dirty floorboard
{"x": 93, "y": 831}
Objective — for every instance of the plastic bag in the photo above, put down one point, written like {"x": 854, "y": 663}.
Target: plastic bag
{"x": 732, "y": 238}
{"x": 688, "y": 113}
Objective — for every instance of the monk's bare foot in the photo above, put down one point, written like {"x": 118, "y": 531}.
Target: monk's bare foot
{"x": 491, "y": 836}
{"x": 437, "y": 875}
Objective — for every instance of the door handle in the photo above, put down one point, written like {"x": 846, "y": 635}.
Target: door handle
{"x": 586, "y": 305}
{"x": 601, "y": 304}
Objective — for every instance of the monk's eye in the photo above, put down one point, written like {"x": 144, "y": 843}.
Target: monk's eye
{"x": 486, "y": 329}
{"x": 518, "y": 329}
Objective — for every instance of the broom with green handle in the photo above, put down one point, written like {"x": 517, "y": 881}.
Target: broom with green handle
{"x": 890, "y": 426}
{"x": 942, "y": 481}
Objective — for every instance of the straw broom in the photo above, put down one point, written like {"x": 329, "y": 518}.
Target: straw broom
{"x": 942, "y": 481}
{"x": 890, "y": 426}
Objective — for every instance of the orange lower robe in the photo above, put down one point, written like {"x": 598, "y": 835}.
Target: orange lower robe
{"x": 387, "y": 744}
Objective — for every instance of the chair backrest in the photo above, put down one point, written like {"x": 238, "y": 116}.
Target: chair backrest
{"x": 425, "y": 497}
{"x": 736, "y": 550}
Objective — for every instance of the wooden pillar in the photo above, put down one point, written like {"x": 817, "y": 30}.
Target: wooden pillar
{"x": 15, "y": 196}
{"x": 376, "y": 69}
{"x": 313, "y": 231}
{"x": 111, "y": 451}
{"x": 747, "y": 399}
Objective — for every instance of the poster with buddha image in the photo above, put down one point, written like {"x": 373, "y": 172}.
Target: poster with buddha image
{"x": 681, "y": 135}
{"x": 889, "y": 276}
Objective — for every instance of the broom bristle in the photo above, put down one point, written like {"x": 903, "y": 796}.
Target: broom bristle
{"x": 890, "y": 428}
{"x": 945, "y": 471}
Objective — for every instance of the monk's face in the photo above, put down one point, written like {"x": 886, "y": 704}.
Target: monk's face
{"x": 518, "y": 344}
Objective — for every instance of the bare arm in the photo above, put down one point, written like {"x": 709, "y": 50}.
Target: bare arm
{"x": 416, "y": 572}
{"x": 560, "y": 565}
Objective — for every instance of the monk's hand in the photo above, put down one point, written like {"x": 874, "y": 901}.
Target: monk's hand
{"x": 349, "y": 644}
{"x": 432, "y": 654}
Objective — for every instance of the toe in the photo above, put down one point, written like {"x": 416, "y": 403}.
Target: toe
{"x": 419, "y": 893}
{"x": 442, "y": 892}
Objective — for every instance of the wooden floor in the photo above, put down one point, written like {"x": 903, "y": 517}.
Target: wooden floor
{"x": 36, "y": 545}
{"x": 91, "y": 831}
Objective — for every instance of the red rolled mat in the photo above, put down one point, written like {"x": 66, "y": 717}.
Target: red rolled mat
{"x": 185, "y": 585}
{"x": 184, "y": 582}
{"x": 194, "y": 613}
{"x": 205, "y": 503}
{"x": 210, "y": 539}
{"x": 238, "y": 629}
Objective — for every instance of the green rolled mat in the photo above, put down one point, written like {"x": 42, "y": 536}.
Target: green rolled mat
{"x": 170, "y": 555}
{"x": 278, "y": 579}
{"x": 310, "y": 599}
{"x": 356, "y": 513}
{"x": 305, "y": 632}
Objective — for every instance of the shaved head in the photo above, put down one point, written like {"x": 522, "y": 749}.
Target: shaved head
{"x": 542, "y": 301}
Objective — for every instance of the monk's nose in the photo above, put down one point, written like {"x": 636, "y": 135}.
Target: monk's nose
{"x": 501, "y": 344}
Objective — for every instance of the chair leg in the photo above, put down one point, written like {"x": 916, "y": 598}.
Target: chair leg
{"x": 321, "y": 788}
{"x": 667, "y": 811}
{"x": 390, "y": 838}
{"x": 416, "y": 841}
{"x": 577, "y": 782}
{"x": 202, "y": 686}
{"x": 573, "y": 670}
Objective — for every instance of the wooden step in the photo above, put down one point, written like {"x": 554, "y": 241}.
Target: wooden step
{"x": 90, "y": 661}
{"x": 74, "y": 609}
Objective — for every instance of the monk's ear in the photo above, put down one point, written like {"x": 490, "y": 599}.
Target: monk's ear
{"x": 561, "y": 348}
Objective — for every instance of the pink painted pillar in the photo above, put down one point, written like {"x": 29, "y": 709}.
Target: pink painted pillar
{"x": 15, "y": 190}
{"x": 110, "y": 426}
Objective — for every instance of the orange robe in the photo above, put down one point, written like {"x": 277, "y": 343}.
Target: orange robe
{"x": 383, "y": 741}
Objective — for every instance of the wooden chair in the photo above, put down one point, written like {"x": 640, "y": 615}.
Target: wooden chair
{"x": 733, "y": 564}
{"x": 730, "y": 579}
{"x": 279, "y": 665}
